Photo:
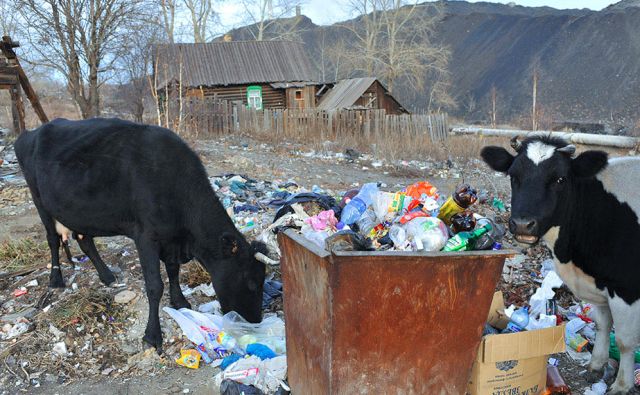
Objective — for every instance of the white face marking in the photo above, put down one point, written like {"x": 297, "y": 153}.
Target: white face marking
{"x": 539, "y": 151}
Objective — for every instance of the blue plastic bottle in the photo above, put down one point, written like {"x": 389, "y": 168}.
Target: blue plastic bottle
{"x": 520, "y": 317}
{"x": 358, "y": 205}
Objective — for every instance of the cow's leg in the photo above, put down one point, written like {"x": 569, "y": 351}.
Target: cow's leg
{"x": 626, "y": 319}
{"x": 67, "y": 251}
{"x": 175, "y": 293}
{"x": 600, "y": 355}
{"x": 89, "y": 248}
{"x": 53, "y": 239}
{"x": 150, "y": 262}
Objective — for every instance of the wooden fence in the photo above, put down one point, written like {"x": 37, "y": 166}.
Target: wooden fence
{"x": 210, "y": 117}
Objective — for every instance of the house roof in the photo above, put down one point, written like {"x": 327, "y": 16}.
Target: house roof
{"x": 345, "y": 93}
{"x": 234, "y": 63}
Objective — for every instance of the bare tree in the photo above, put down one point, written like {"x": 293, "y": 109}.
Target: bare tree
{"x": 80, "y": 39}
{"x": 8, "y": 21}
{"x": 269, "y": 19}
{"x": 168, "y": 9}
{"x": 135, "y": 67}
{"x": 393, "y": 40}
{"x": 202, "y": 16}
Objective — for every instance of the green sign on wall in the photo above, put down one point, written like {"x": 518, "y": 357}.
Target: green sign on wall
{"x": 254, "y": 97}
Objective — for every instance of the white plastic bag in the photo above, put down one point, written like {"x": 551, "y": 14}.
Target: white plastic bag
{"x": 265, "y": 375}
{"x": 269, "y": 332}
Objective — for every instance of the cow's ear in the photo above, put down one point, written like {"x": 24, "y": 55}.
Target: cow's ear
{"x": 498, "y": 158}
{"x": 589, "y": 163}
{"x": 228, "y": 244}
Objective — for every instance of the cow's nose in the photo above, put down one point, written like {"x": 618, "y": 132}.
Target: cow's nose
{"x": 523, "y": 226}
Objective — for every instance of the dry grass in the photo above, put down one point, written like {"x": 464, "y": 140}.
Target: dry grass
{"x": 22, "y": 254}
{"x": 87, "y": 307}
{"x": 194, "y": 275}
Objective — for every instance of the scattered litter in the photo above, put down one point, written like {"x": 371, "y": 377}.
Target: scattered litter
{"x": 60, "y": 348}
{"x": 32, "y": 283}
{"x": 57, "y": 333}
{"x": 265, "y": 375}
{"x": 10, "y": 331}
{"x": 189, "y": 359}
{"x": 80, "y": 259}
{"x": 230, "y": 387}
{"x": 20, "y": 291}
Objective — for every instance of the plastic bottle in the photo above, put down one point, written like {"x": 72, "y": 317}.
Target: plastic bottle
{"x": 520, "y": 317}
{"x": 555, "y": 382}
{"x": 367, "y": 222}
{"x": 465, "y": 241}
{"x": 357, "y": 206}
{"x": 227, "y": 341}
{"x": 190, "y": 330}
{"x": 428, "y": 233}
{"x": 462, "y": 198}
{"x": 463, "y": 221}
{"x": 398, "y": 235}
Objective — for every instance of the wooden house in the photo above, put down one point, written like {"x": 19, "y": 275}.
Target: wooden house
{"x": 260, "y": 74}
{"x": 360, "y": 94}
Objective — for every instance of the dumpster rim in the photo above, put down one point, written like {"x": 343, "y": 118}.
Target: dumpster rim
{"x": 309, "y": 245}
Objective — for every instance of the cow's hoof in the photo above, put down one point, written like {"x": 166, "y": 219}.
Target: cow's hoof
{"x": 180, "y": 303}
{"x": 108, "y": 279}
{"x": 593, "y": 376}
{"x": 56, "y": 282}
{"x": 149, "y": 341}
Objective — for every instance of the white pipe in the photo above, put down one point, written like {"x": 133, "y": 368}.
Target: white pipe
{"x": 575, "y": 138}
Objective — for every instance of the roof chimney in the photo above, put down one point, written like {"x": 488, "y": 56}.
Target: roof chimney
{"x": 298, "y": 10}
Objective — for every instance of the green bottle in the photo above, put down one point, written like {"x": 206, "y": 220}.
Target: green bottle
{"x": 465, "y": 241}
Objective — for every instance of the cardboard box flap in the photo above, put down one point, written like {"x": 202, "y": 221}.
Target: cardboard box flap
{"x": 522, "y": 345}
{"x": 497, "y": 318}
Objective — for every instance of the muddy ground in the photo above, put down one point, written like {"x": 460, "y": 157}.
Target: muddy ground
{"x": 105, "y": 345}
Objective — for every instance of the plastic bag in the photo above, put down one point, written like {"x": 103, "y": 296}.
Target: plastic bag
{"x": 381, "y": 203}
{"x": 429, "y": 234}
{"x": 266, "y": 375}
{"x": 269, "y": 332}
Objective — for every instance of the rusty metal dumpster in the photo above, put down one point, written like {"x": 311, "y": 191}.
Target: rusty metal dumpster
{"x": 383, "y": 322}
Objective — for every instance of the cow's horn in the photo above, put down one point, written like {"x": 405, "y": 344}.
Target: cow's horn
{"x": 265, "y": 259}
{"x": 516, "y": 144}
{"x": 568, "y": 149}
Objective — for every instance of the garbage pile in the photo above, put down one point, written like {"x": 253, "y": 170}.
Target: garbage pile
{"x": 249, "y": 355}
{"x": 541, "y": 312}
{"x": 417, "y": 218}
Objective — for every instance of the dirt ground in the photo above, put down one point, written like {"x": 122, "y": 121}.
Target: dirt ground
{"x": 108, "y": 356}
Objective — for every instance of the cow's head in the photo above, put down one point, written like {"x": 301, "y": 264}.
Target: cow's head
{"x": 542, "y": 173}
{"x": 238, "y": 277}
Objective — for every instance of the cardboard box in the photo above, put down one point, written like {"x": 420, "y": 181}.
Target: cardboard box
{"x": 514, "y": 363}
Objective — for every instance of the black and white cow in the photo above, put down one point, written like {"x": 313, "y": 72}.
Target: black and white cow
{"x": 587, "y": 210}
{"x": 107, "y": 177}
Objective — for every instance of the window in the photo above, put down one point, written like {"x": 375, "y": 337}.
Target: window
{"x": 298, "y": 94}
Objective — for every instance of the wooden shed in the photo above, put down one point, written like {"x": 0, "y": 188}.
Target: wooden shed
{"x": 361, "y": 93}
{"x": 260, "y": 74}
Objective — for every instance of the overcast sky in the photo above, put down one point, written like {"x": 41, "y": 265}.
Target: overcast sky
{"x": 325, "y": 12}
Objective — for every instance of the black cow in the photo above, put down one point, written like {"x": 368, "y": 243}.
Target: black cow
{"x": 108, "y": 177}
{"x": 586, "y": 209}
